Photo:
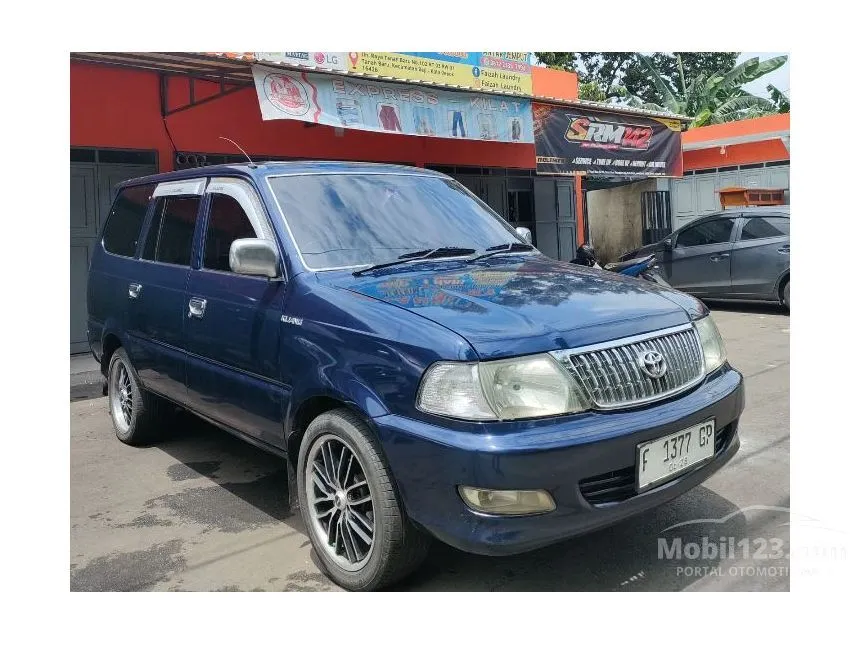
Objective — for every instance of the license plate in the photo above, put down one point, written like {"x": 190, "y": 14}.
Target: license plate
{"x": 669, "y": 456}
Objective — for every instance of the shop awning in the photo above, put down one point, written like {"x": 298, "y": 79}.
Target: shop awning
{"x": 202, "y": 66}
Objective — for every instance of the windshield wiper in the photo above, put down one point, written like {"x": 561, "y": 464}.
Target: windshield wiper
{"x": 423, "y": 254}
{"x": 513, "y": 247}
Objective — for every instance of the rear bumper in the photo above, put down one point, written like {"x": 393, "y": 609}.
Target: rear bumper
{"x": 556, "y": 455}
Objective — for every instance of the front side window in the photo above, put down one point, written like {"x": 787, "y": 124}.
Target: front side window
{"x": 227, "y": 223}
{"x": 126, "y": 217}
{"x": 757, "y": 228}
{"x": 714, "y": 231}
{"x": 171, "y": 232}
{"x": 350, "y": 220}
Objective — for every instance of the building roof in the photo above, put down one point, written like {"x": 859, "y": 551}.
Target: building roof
{"x": 775, "y": 126}
{"x": 235, "y": 69}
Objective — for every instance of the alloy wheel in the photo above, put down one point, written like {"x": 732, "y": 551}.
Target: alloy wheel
{"x": 122, "y": 396}
{"x": 340, "y": 502}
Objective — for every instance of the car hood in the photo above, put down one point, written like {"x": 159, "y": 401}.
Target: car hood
{"x": 510, "y": 305}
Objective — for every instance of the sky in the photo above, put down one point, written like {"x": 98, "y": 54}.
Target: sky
{"x": 778, "y": 78}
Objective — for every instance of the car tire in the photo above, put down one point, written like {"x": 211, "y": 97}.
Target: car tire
{"x": 135, "y": 413}
{"x": 786, "y": 295}
{"x": 360, "y": 533}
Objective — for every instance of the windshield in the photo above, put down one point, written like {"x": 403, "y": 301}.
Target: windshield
{"x": 351, "y": 220}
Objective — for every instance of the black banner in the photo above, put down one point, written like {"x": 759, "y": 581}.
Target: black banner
{"x": 572, "y": 140}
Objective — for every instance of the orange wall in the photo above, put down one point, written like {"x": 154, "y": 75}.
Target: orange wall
{"x": 553, "y": 83}
{"x": 741, "y": 153}
{"x": 117, "y": 108}
{"x": 760, "y": 125}
{"x": 744, "y": 153}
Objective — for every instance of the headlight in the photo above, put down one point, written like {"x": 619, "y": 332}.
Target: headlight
{"x": 712, "y": 343}
{"x": 453, "y": 390}
{"x": 518, "y": 388}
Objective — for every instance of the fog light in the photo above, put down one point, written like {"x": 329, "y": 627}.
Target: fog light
{"x": 507, "y": 502}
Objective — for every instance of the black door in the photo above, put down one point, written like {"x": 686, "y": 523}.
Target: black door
{"x": 555, "y": 218}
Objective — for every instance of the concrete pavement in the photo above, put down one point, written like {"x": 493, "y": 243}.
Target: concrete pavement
{"x": 205, "y": 511}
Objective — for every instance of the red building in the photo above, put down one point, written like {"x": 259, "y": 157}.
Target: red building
{"x": 137, "y": 114}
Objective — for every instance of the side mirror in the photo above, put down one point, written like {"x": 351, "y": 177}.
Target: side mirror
{"x": 524, "y": 233}
{"x": 252, "y": 256}
{"x": 667, "y": 244}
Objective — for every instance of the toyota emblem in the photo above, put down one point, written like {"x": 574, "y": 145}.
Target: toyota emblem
{"x": 652, "y": 364}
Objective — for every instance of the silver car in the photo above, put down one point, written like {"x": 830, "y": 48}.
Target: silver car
{"x": 736, "y": 254}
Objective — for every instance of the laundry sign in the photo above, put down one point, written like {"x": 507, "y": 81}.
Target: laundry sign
{"x": 360, "y": 104}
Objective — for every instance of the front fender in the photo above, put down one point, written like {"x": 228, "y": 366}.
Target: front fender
{"x": 782, "y": 276}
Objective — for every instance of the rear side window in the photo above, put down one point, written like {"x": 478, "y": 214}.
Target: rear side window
{"x": 227, "y": 222}
{"x": 171, "y": 233}
{"x": 714, "y": 231}
{"x": 126, "y": 217}
{"x": 757, "y": 228}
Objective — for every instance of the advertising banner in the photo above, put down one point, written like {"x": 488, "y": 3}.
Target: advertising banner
{"x": 576, "y": 141}
{"x": 335, "y": 61}
{"x": 483, "y": 71}
{"x": 330, "y": 61}
{"x": 361, "y": 104}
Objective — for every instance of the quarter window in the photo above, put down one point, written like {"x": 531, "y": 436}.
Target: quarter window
{"x": 714, "y": 231}
{"x": 227, "y": 222}
{"x": 757, "y": 228}
{"x": 171, "y": 232}
{"x": 125, "y": 219}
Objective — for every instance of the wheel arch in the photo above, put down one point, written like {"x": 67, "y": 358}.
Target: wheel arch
{"x": 780, "y": 284}
{"x": 110, "y": 343}
{"x": 299, "y": 418}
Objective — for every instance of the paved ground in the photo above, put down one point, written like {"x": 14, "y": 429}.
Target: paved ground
{"x": 204, "y": 511}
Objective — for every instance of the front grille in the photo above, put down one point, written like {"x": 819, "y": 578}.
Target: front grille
{"x": 611, "y": 374}
{"x": 619, "y": 485}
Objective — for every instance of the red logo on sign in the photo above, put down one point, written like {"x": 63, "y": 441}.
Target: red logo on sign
{"x": 287, "y": 94}
{"x": 319, "y": 58}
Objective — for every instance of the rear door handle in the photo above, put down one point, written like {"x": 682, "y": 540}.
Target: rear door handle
{"x": 719, "y": 256}
{"x": 196, "y": 308}
{"x": 783, "y": 249}
{"x": 134, "y": 290}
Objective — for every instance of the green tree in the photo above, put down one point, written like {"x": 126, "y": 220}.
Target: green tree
{"x": 707, "y": 86}
{"x": 718, "y": 97}
{"x": 623, "y": 76}
{"x": 591, "y": 91}
{"x": 780, "y": 99}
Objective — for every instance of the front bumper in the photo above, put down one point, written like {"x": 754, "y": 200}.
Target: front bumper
{"x": 429, "y": 461}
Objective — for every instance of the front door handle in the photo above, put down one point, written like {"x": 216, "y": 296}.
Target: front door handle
{"x": 719, "y": 256}
{"x": 134, "y": 290}
{"x": 196, "y": 308}
{"x": 783, "y": 249}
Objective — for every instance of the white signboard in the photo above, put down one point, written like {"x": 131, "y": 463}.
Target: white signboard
{"x": 335, "y": 61}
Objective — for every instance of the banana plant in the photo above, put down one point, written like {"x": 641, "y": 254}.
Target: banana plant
{"x": 720, "y": 97}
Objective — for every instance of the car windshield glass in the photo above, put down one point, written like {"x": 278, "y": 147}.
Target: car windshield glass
{"x": 351, "y": 220}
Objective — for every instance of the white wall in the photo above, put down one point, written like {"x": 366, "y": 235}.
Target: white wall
{"x": 615, "y": 218}
{"x": 696, "y": 195}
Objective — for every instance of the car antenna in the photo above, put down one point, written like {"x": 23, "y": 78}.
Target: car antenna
{"x": 252, "y": 164}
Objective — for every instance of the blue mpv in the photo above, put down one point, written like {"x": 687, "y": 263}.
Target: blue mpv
{"x": 423, "y": 369}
